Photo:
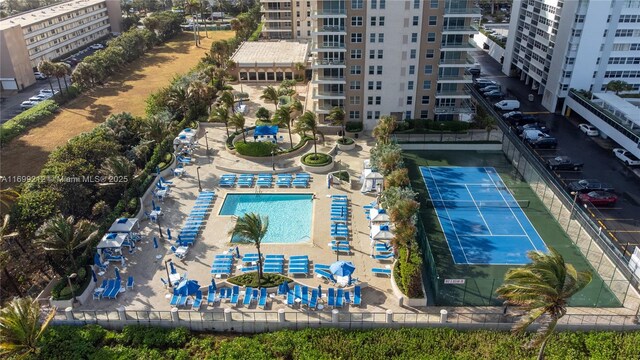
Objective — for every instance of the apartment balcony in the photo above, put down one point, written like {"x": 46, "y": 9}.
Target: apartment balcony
{"x": 329, "y": 30}
{"x": 321, "y": 79}
{"x": 456, "y": 94}
{"x": 322, "y": 108}
{"x": 455, "y": 79}
{"x": 462, "y": 12}
{"x": 328, "y": 64}
{"x": 272, "y": 28}
{"x": 276, "y": 19}
{"x": 328, "y": 95}
{"x": 275, "y": 10}
{"x": 464, "y": 108}
{"x": 333, "y": 47}
{"x": 329, "y": 13}
{"x": 449, "y": 63}
{"x": 464, "y": 30}
{"x": 466, "y": 46}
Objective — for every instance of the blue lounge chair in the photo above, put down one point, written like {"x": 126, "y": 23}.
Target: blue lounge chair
{"x": 386, "y": 256}
{"x": 263, "y": 298}
{"x": 250, "y": 257}
{"x": 347, "y": 297}
{"x": 247, "y": 296}
{"x": 305, "y": 295}
{"x": 115, "y": 290}
{"x": 130, "y": 282}
{"x": 274, "y": 256}
{"x": 249, "y": 268}
{"x": 174, "y": 300}
{"x": 235, "y": 294}
{"x": 297, "y": 291}
{"x": 211, "y": 296}
{"x": 313, "y": 303}
{"x": 331, "y": 297}
{"x": 321, "y": 267}
{"x": 380, "y": 271}
{"x": 290, "y": 298}
{"x": 183, "y": 300}
{"x": 197, "y": 302}
{"x": 224, "y": 256}
{"x": 356, "y": 296}
{"x": 340, "y": 298}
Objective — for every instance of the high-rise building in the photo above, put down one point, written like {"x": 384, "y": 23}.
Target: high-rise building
{"x": 51, "y": 32}
{"x": 379, "y": 57}
{"x": 557, "y": 45}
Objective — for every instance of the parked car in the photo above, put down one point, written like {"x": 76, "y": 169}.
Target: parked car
{"x": 598, "y": 198}
{"x": 48, "y": 92}
{"x": 589, "y": 185}
{"x": 589, "y": 129}
{"x": 626, "y": 157}
{"x": 519, "y": 119}
{"x": 510, "y": 114}
{"x": 545, "y": 142}
{"x": 39, "y": 75}
{"x": 533, "y": 126}
{"x": 28, "y": 104}
{"x": 564, "y": 163}
{"x": 495, "y": 96}
{"x": 490, "y": 88}
{"x": 97, "y": 46}
{"x": 38, "y": 98}
{"x": 474, "y": 71}
{"x": 484, "y": 82}
{"x": 507, "y": 105}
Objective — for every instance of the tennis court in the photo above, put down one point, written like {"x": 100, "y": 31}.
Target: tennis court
{"x": 482, "y": 222}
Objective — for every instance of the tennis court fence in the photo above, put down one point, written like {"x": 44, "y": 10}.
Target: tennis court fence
{"x": 262, "y": 321}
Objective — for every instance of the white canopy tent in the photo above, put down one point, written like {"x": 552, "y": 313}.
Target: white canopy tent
{"x": 113, "y": 240}
{"x": 124, "y": 225}
{"x": 371, "y": 180}
{"x": 381, "y": 232}
{"x": 379, "y": 216}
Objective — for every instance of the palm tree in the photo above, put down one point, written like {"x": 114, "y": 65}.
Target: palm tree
{"x": 543, "y": 289}
{"x": 177, "y": 99}
{"x": 157, "y": 127}
{"x": 61, "y": 71}
{"x": 618, "y": 86}
{"x": 227, "y": 99}
{"x": 336, "y": 116}
{"x": 221, "y": 114}
{"x": 252, "y": 228}
{"x": 237, "y": 120}
{"x": 271, "y": 94}
{"x": 8, "y": 196}
{"x": 5, "y": 259}
{"x": 191, "y": 7}
{"x": 20, "y": 327}
{"x": 120, "y": 170}
{"x": 382, "y": 132}
{"x": 307, "y": 122}
{"x": 66, "y": 236}
{"x": 47, "y": 68}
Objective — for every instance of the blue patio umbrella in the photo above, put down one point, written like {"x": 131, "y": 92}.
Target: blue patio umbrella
{"x": 155, "y": 243}
{"x": 237, "y": 252}
{"x": 117, "y": 273}
{"x": 283, "y": 288}
{"x": 169, "y": 233}
{"x": 96, "y": 260}
{"x": 213, "y": 284}
{"x": 153, "y": 205}
{"x": 173, "y": 268}
{"x": 94, "y": 276}
{"x": 187, "y": 287}
{"x": 342, "y": 268}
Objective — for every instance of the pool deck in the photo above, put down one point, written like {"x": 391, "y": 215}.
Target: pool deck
{"x": 150, "y": 294}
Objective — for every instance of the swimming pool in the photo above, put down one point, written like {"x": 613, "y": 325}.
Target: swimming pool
{"x": 289, "y": 214}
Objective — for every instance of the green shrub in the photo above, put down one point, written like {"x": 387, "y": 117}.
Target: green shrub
{"x": 255, "y": 148}
{"x": 318, "y": 159}
{"x": 409, "y": 273}
{"x": 132, "y": 206}
{"x": 167, "y": 159}
{"x": 420, "y": 126}
{"x": 256, "y": 34}
{"x": 346, "y": 141}
{"x": 342, "y": 175}
{"x": 61, "y": 290}
{"x": 251, "y": 279}
{"x": 154, "y": 337}
{"x": 67, "y": 95}
{"x": 354, "y": 126}
{"x": 43, "y": 111}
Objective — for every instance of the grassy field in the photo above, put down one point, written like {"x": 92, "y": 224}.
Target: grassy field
{"x": 125, "y": 92}
{"x": 482, "y": 280}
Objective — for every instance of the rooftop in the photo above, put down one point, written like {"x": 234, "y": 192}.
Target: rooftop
{"x": 619, "y": 106}
{"x": 44, "y": 13}
{"x": 271, "y": 52}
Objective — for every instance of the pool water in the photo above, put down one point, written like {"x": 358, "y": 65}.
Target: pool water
{"x": 289, "y": 214}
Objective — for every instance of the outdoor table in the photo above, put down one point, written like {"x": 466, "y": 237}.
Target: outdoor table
{"x": 320, "y": 307}
{"x": 174, "y": 278}
{"x": 179, "y": 171}
{"x": 181, "y": 251}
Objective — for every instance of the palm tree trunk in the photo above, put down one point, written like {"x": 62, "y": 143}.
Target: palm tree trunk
{"x": 66, "y": 87}
{"x": 344, "y": 131}
{"x": 259, "y": 265}
{"x": 12, "y": 281}
{"x": 315, "y": 145}
{"x": 59, "y": 85}
{"x": 226, "y": 125}
{"x": 542, "y": 347}
{"x": 50, "y": 84}
{"x": 290, "y": 137}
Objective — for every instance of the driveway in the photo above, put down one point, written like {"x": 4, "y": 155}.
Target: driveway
{"x": 622, "y": 222}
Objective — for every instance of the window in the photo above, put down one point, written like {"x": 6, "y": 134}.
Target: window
{"x": 412, "y": 54}
{"x": 376, "y": 115}
{"x": 356, "y": 37}
{"x": 372, "y": 38}
{"x": 412, "y": 69}
{"x": 378, "y": 100}
{"x": 424, "y": 114}
{"x": 381, "y": 21}
{"x": 356, "y": 21}
{"x": 354, "y": 100}
{"x": 354, "y": 115}
{"x": 426, "y": 85}
{"x": 410, "y": 85}
{"x": 414, "y": 37}
{"x": 416, "y": 4}
{"x": 369, "y": 115}
{"x": 355, "y": 70}
{"x": 425, "y": 99}
{"x": 356, "y": 4}
{"x": 379, "y": 70}
{"x": 354, "y": 85}
{"x": 579, "y": 18}
{"x": 370, "y": 85}
{"x": 378, "y": 85}
{"x": 415, "y": 21}
{"x": 381, "y": 37}
{"x": 297, "y": 13}
{"x": 431, "y": 37}
{"x": 372, "y": 70}
{"x": 430, "y": 53}
{"x": 373, "y": 21}
{"x": 374, "y": 4}
{"x": 369, "y": 100}
{"x": 356, "y": 54}
{"x": 380, "y": 53}
{"x": 372, "y": 54}
{"x": 383, "y": 4}
{"x": 433, "y": 4}
{"x": 428, "y": 69}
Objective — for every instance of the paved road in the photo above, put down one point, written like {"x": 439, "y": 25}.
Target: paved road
{"x": 623, "y": 220}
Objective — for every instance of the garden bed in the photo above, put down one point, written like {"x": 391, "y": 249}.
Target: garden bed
{"x": 251, "y": 279}
{"x": 317, "y": 163}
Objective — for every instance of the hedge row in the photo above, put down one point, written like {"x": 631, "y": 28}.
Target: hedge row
{"x": 255, "y": 148}
{"x": 93, "y": 342}
{"x": 43, "y": 111}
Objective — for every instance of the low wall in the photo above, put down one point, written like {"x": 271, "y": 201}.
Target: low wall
{"x": 403, "y": 300}
{"x": 495, "y": 51}
{"x": 453, "y": 146}
{"x": 83, "y": 298}
{"x": 45, "y": 295}
{"x": 146, "y": 197}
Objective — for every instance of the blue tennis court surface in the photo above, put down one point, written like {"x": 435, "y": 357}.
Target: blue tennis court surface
{"x": 481, "y": 220}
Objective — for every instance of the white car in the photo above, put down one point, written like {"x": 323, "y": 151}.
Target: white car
{"x": 588, "y": 129}
{"x": 27, "y": 104}
{"x": 48, "y": 92}
{"x": 97, "y": 46}
{"x": 39, "y": 75}
{"x": 626, "y": 157}
{"x": 38, "y": 98}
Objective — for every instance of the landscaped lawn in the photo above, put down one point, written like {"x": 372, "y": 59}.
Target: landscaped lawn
{"x": 125, "y": 92}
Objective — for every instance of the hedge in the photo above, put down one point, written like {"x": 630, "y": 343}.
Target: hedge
{"x": 61, "y": 290}
{"x": 94, "y": 342}
{"x": 255, "y": 148}
{"x": 45, "y": 110}
{"x": 354, "y": 126}
{"x": 420, "y": 126}
{"x": 251, "y": 279}
{"x": 318, "y": 159}
{"x": 347, "y": 141}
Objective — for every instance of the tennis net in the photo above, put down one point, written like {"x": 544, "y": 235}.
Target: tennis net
{"x": 453, "y": 204}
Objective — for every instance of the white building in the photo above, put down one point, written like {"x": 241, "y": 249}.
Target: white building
{"x": 557, "y": 45}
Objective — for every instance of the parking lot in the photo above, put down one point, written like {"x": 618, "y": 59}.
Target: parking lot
{"x": 10, "y": 106}
{"x": 621, "y": 221}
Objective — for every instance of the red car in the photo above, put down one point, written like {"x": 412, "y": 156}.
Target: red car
{"x": 599, "y": 198}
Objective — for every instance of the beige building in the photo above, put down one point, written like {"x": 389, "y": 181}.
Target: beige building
{"x": 271, "y": 61}
{"x": 406, "y": 58}
{"x": 50, "y": 33}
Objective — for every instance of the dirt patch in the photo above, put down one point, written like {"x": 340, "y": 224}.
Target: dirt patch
{"x": 125, "y": 92}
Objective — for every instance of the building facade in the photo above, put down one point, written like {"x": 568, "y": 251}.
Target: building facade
{"x": 385, "y": 57}
{"x": 52, "y": 32}
{"x": 558, "y": 45}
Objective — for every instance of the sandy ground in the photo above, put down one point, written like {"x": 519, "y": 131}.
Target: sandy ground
{"x": 125, "y": 92}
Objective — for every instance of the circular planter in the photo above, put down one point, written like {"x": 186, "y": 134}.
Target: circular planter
{"x": 322, "y": 169}
{"x": 346, "y": 147}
